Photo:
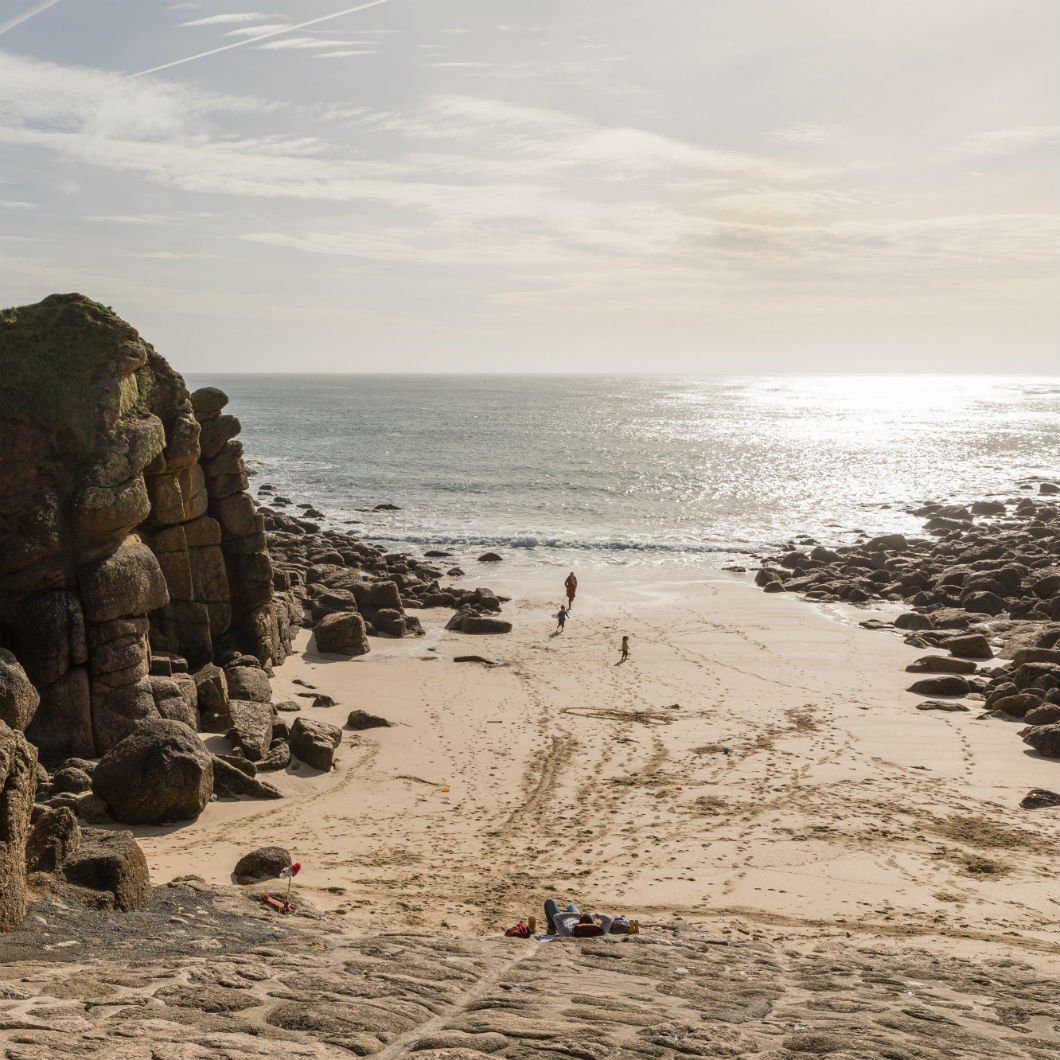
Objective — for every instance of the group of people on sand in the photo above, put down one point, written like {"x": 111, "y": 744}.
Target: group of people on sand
{"x": 570, "y": 587}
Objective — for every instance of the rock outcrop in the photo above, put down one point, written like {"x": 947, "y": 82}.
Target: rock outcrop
{"x": 18, "y": 784}
{"x": 127, "y": 536}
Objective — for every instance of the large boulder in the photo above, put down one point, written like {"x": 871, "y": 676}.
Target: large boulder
{"x": 248, "y": 682}
{"x": 111, "y": 862}
{"x": 342, "y": 633}
{"x": 251, "y": 729}
{"x": 127, "y": 582}
{"x": 18, "y": 786}
{"x": 159, "y": 773}
{"x": 18, "y": 698}
{"x": 314, "y": 742}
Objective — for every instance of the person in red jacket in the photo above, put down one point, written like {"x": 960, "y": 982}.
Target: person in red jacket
{"x": 571, "y": 585}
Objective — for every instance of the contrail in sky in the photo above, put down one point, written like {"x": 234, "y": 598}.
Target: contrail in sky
{"x": 238, "y": 44}
{"x": 36, "y": 9}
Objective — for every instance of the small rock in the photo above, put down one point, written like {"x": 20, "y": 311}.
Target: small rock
{"x": 361, "y": 719}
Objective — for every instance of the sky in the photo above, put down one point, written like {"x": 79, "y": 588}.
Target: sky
{"x": 708, "y": 186}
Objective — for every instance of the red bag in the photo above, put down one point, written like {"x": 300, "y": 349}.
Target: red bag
{"x": 520, "y": 931}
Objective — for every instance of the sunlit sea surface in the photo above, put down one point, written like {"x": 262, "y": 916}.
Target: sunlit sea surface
{"x": 639, "y": 469}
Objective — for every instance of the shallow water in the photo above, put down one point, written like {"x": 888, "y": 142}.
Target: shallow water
{"x": 642, "y": 468}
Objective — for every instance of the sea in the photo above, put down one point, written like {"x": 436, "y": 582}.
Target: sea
{"x": 639, "y": 469}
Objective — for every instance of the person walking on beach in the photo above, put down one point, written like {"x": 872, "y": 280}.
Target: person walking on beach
{"x": 625, "y": 649}
{"x": 571, "y": 585}
{"x": 561, "y": 618}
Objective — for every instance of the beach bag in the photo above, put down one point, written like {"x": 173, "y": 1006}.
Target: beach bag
{"x": 520, "y": 931}
{"x": 619, "y": 926}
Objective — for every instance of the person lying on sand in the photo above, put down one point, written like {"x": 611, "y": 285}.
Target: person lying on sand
{"x": 571, "y": 922}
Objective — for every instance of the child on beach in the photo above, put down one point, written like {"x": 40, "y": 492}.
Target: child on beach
{"x": 561, "y": 618}
{"x": 625, "y": 649}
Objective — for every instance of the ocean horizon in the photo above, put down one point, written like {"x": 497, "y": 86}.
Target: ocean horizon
{"x": 637, "y": 468}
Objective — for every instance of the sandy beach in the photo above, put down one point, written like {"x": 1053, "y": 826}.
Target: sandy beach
{"x": 756, "y": 767}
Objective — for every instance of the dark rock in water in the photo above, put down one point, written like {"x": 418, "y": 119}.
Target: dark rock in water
{"x": 968, "y": 646}
{"x": 386, "y": 508}
{"x": 913, "y": 620}
{"x": 232, "y": 783}
{"x": 949, "y": 685}
{"x": 361, "y": 719}
{"x": 265, "y": 863}
{"x": 988, "y": 508}
{"x": 341, "y": 634}
{"x": 159, "y": 773}
{"x": 888, "y": 543}
{"x": 1039, "y": 799}
{"x": 1048, "y": 488}
{"x": 946, "y": 705}
{"x": 940, "y": 664}
{"x": 490, "y": 557}
{"x": 435, "y": 553}
{"x": 455, "y": 572}
{"x": 1045, "y": 739}
{"x": 314, "y": 742}
{"x": 53, "y": 836}
{"x": 112, "y": 862}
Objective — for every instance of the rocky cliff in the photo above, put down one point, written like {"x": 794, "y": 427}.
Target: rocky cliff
{"x": 127, "y": 536}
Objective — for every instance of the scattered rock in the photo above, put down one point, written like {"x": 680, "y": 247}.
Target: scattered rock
{"x": 265, "y": 863}
{"x": 949, "y": 685}
{"x": 314, "y": 742}
{"x": 361, "y": 719}
{"x": 1039, "y": 799}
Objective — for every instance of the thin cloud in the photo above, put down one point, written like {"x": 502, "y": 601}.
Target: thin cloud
{"x": 254, "y": 40}
{"x": 346, "y": 54}
{"x": 806, "y": 132}
{"x": 259, "y": 31}
{"x": 1010, "y": 141}
{"x": 16, "y": 204}
{"x": 26, "y": 15}
{"x": 220, "y": 20}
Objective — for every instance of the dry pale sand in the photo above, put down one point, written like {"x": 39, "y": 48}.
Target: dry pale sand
{"x": 755, "y": 768}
